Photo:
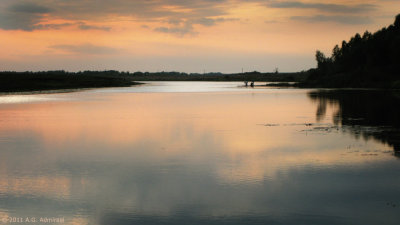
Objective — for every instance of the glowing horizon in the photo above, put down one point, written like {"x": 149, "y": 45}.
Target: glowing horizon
{"x": 175, "y": 35}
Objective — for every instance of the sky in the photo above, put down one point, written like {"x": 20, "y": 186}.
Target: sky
{"x": 180, "y": 35}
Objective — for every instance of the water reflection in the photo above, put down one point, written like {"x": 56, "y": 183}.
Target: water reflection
{"x": 191, "y": 158}
{"x": 366, "y": 113}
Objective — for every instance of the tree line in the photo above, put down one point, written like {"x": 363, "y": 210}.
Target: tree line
{"x": 368, "y": 60}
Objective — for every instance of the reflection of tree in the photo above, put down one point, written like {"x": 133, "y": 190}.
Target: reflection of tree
{"x": 369, "y": 113}
{"x": 321, "y": 109}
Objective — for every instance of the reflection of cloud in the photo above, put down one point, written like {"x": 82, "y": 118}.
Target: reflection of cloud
{"x": 78, "y": 221}
{"x": 58, "y": 187}
{"x": 349, "y": 20}
{"x": 131, "y": 158}
{"x": 137, "y": 121}
{"x": 271, "y": 21}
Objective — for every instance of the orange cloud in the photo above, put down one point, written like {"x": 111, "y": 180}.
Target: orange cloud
{"x": 75, "y": 35}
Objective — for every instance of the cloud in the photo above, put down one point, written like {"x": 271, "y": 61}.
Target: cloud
{"x": 21, "y": 16}
{"x": 187, "y": 28}
{"x": 58, "y": 26}
{"x": 84, "y": 26}
{"x": 174, "y": 21}
{"x": 85, "y": 49}
{"x": 17, "y": 21}
{"x": 348, "y": 20}
{"x": 52, "y": 26}
{"x": 210, "y": 21}
{"x": 28, "y": 14}
{"x": 336, "y": 8}
{"x": 182, "y": 28}
{"x": 29, "y": 7}
{"x": 178, "y": 16}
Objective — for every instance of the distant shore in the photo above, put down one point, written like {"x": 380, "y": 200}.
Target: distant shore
{"x": 59, "y": 81}
{"x": 63, "y": 81}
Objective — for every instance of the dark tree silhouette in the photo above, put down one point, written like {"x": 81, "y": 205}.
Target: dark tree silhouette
{"x": 370, "y": 60}
{"x": 397, "y": 21}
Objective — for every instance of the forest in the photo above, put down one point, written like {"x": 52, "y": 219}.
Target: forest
{"x": 368, "y": 60}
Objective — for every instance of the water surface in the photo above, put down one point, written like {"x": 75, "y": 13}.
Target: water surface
{"x": 201, "y": 153}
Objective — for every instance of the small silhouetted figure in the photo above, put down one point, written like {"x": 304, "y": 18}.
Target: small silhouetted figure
{"x": 252, "y": 84}
{"x": 245, "y": 83}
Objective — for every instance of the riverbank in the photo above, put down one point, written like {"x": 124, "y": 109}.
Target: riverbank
{"x": 62, "y": 80}
{"x": 59, "y": 80}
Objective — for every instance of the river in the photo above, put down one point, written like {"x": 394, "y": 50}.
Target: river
{"x": 200, "y": 153}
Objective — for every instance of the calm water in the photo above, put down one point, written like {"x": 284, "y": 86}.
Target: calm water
{"x": 200, "y": 153}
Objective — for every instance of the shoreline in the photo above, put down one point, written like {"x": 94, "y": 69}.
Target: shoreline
{"x": 61, "y": 89}
{"x": 57, "y": 91}
{"x": 278, "y": 85}
{"x": 60, "y": 81}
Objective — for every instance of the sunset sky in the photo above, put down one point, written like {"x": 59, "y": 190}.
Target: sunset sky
{"x": 179, "y": 35}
